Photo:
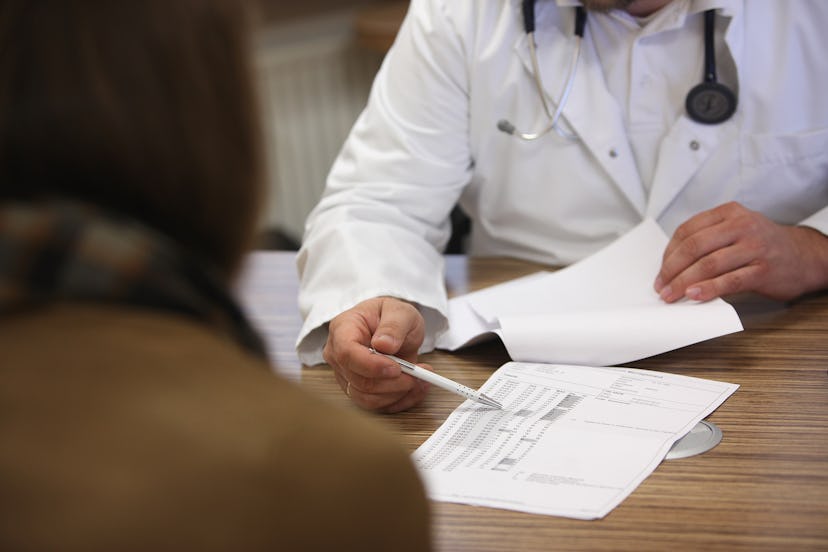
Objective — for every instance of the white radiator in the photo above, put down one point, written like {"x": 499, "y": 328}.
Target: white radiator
{"x": 315, "y": 82}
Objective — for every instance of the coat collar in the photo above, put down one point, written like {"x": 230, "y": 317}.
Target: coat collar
{"x": 593, "y": 113}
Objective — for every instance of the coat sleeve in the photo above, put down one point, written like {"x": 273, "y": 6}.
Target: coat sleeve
{"x": 818, "y": 221}
{"x": 383, "y": 220}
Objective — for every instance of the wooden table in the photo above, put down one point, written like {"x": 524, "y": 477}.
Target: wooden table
{"x": 765, "y": 486}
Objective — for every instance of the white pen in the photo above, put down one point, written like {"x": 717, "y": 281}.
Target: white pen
{"x": 440, "y": 381}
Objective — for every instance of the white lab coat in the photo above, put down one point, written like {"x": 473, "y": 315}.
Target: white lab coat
{"x": 428, "y": 139}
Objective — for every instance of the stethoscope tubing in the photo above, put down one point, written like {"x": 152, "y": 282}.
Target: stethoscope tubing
{"x": 709, "y": 87}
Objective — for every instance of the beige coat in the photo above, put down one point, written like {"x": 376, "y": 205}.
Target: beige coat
{"x": 126, "y": 429}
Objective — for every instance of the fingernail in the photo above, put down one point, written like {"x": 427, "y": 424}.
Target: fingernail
{"x": 665, "y": 293}
{"x": 391, "y": 371}
{"x": 658, "y": 284}
{"x": 693, "y": 293}
{"x": 384, "y": 342}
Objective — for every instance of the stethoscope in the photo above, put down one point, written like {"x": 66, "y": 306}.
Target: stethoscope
{"x": 709, "y": 102}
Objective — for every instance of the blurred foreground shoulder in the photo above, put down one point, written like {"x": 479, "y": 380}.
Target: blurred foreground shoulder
{"x": 128, "y": 430}
{"x": 357, "y": 476}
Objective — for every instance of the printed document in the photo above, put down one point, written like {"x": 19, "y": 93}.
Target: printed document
{"x": 572, "y": 441}
{"x": 600, "y": 311}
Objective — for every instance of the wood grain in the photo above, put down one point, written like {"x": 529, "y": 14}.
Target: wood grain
{"x": 764, "y": 487}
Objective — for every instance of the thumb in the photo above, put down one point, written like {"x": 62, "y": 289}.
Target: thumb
{"x": 401, "y": 328}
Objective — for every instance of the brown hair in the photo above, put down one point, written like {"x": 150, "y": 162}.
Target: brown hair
{"x": 146, "y": 107}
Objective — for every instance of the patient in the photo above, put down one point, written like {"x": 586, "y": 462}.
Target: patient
{"x": 137, "y": 407}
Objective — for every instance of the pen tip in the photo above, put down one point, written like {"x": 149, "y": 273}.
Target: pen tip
{"x": 490, "y": 401}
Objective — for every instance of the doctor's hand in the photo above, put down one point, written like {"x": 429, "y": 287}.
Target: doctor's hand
{"x": 373, "y": 381}
{"x": 731, "y": 249}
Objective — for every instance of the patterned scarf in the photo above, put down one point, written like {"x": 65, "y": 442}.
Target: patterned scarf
{"x": 70, "y": 251}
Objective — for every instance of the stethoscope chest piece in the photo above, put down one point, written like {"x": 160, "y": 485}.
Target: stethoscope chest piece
{"x": 710, "y": 103}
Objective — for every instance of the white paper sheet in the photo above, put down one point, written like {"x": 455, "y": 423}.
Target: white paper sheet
{"x": 600, "y": 311}
{"x": 573, "y": 441}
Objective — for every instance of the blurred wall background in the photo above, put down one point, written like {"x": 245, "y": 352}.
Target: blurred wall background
{"x": 316, "y": 60}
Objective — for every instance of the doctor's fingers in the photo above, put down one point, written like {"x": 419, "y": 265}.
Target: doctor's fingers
{"x": 709, "y": 251}
{"x": 785, "y": 263}
{"x": 771, "y": 259}
{"x": 351, "y": 357}
{"x": 377, "y": 402}
{"x": 378, "y": 386}
{"x": 401, "y": 328}
{"x": 384, "y": 396}
{"x": 706, "y": 220}
{"x": 411, "y": 399}
{"x": 723, "y": 272}
{"x": 684, "y": 270}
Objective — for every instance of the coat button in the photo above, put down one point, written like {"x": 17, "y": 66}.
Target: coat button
{"x": 613, "y": 153}
{"x": 694, "y": 145}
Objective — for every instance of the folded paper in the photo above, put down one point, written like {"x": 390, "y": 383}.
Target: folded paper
{"x": 600, "y": 311}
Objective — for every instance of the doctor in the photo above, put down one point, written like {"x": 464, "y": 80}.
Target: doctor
{"x": 707, "y": 115}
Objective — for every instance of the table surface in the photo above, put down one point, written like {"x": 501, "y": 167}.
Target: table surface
{"x": 765, "y": 486}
